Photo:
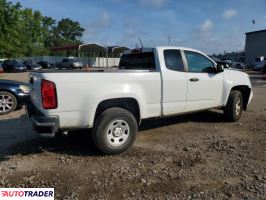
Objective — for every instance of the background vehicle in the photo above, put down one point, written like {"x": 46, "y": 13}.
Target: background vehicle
{"x": 45, "y": 65}
{"x": 223, "y": 63}
{"x": 235, "y": 64}
{"x": 1, "y": 68}
{"x": 259, "y": 64}
{"x": 13, "y": 95}
{"x": 32, "y": 65}
{"x": 264, "y": 70}
{"x": 69, "y": 63}
{"x": 150, "y": 82}
{"x": 13, "y": 66}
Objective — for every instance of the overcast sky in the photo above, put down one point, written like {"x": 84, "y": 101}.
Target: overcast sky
{"x": 209, "y": 25}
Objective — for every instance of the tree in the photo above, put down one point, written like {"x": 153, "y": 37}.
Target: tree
{"x": 9, "y": 32}
{"x": 48, "y": 25}
{"x": 31, "y": 32}
{"x": 67, "y": 32}
{"x": 24, "y": 32}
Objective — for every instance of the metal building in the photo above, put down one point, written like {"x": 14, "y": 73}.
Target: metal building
{"x": 92, "y": 54}
{"x": 255, "y": 46}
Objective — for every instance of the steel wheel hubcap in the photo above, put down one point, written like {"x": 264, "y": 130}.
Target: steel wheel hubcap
{"x": 238, "y": 106}
{"x": 6, "y": 103}
{"x": 117, "y": 132}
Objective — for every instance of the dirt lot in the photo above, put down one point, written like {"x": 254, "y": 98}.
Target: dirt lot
{"x": 197, "y": 156}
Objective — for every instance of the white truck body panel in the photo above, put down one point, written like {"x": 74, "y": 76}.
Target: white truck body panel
{"x": 79, "y": 96}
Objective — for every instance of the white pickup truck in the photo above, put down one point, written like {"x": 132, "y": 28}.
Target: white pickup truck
{"x": 150, "y": 82}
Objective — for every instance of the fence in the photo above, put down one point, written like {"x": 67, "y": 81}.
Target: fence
{"x": 105, "y": 62}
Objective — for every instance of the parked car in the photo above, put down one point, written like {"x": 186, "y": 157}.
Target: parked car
{"x": 13, "y": 95}
{"x": 69, "y": 63}
{"x": 235, "y": 64}
{"x": 150, "y": 82}
{"x": 13, "y": 66}
{"x": 45, "y": 65}
{"x": 32, "y": 65}
{"x": 223, "y": 63}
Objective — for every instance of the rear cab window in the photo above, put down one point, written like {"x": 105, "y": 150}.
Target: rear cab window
{"x": 138, "y": 61}
{"x": 173, "y": 60}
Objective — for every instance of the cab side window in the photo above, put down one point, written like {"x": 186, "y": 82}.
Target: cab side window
{"x": 198, "y": 63}
{"x": 173, "y": 60}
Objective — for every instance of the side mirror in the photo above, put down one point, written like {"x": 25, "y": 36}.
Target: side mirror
{"x": 220, "y": 68}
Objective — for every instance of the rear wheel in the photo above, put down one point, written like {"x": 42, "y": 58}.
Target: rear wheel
{"x": 8, "y": 102}
{"x": 114, "y": 131}
{"x": 234, "y": 106}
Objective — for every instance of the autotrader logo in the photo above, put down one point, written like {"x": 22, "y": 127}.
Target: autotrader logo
{"x": 27, "y": 193}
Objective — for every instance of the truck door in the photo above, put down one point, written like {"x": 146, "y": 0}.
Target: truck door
{"x": 174, "y": 82}
{"x": 205, "y": 85}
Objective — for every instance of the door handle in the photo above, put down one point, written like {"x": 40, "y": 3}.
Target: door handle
{"x": 194, "y": 79}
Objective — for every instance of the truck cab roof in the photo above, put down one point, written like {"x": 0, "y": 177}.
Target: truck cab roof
{"x": 160, "y": 48}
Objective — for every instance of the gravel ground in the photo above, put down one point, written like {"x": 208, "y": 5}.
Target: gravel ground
{"x": 197, "y": 156}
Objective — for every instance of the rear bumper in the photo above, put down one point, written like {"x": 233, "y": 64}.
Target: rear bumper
{"x": 44, "y": 126}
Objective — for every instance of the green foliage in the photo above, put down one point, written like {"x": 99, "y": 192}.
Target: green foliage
{"x": 24, "y": 32}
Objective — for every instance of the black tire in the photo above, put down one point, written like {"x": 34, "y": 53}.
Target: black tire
{"x": 234, "y": 106}
{"x": 104, "y": 139}
{"x": 3, "y": 109}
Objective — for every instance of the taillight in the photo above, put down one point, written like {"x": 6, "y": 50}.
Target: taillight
{"x": 49, "y": 98}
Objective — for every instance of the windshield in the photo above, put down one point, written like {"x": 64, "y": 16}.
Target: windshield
{"x": 137, "y": 61}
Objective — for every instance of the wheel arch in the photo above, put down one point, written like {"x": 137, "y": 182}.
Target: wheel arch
{"x": 127, "y": 103}
{"x": 245, "y": 91}
{"x": 13, "y": 93}
{"x": 10, "y": 91}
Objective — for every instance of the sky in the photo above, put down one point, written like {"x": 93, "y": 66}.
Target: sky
{"x": 213, "y": 26}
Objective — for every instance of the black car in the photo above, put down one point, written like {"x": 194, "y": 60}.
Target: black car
{"x": 13, "y": 66}
{"x": 13, "y": 95}
{"x": 32, "y": 65}
{"x": 45, "y": 65}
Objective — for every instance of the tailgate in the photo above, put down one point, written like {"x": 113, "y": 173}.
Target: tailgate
{"x": 35, "y": 89}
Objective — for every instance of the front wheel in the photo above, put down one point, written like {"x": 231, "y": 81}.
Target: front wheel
{"x": 114, "y": 131}
{"x": 234, "y": 106}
